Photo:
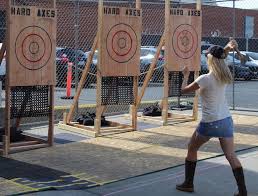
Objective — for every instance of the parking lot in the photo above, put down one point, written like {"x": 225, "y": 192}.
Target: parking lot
{"x": 245, "y": 95}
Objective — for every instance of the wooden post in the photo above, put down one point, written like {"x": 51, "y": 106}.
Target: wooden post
{"x": 150, "y": 71}
{"x": 99, "y": 108}
{"x": 6, "y": 138}
{"x": 196, "y": 75}
{"x": 138, "y": 4}
{"x": 135, "y": 89}
{"x": 51, "y": 116}
{"x": 2, "y": 51}
{"x": 82, "y": 80}
{"x": 52, "y": 110}
{"x": 166, "y": 73}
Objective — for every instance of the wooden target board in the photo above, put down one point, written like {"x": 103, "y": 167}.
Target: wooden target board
{"x": 32, "y": 45}
{"x": 120, "y": 41}
{"x": 183, "y": 40}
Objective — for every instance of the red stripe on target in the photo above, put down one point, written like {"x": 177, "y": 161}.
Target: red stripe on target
{"x": 121, "y": 43}
{"x": 33, "y": 47}
{"x": 113, "y": 44}
{"x": 185, "y": 41}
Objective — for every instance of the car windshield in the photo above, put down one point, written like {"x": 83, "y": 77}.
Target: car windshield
{"x": 253, "y": 55}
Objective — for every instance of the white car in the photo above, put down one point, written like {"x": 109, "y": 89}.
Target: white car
{"x": 249, "y": 56}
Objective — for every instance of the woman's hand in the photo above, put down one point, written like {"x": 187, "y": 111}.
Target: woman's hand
{"x": 232, "y": 44}
{"x": 186, "y": 72}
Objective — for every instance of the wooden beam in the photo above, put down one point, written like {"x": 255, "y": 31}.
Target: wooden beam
{"x": 26, "y": 143}
{"x": 150, "y": 71}
{"x": 6, "y": 146}
{"x": 51, "y": 116}
{"x": 198, "y": 4}
{"x": 196, "y": 75}
{"x": 166, "y": 73}
{"x": 2, "y": 51}
{"x": 82, "y": 80}
{"x": 99, "y": 107}
{"x": 135, "y": 87}
{"x": 138, "y": 4}
{"x": 25, "y": 148}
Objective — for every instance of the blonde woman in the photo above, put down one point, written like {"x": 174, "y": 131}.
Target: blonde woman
{"x": 216, "y": 118}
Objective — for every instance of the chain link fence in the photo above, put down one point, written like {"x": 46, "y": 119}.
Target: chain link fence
{"x": 77, "y": 28}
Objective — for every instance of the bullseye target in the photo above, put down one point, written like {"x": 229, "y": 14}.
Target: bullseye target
{"x": 33, "y": 47}
{"x": 121, "y": 43}
{"x": 185, "y": 41}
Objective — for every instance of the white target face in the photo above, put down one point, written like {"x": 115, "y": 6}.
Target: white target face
{"x": 121, "y": 43}
{"x": 33, "y": 47}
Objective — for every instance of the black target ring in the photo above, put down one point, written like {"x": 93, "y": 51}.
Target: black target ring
{"x": 121, "y": 43}
{"x": 185, "y": 41}
{"x": 33, "y": 50}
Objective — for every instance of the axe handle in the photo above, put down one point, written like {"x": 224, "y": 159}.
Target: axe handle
{"x": 241, "y": 57}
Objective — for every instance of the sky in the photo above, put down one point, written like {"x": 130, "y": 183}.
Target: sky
{"x": 244, "y": 4}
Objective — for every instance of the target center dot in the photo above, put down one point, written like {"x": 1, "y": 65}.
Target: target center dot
{"x": 121, "y": 43}
{"x": 34, "y": 47}
{"x": 185, "y": 41}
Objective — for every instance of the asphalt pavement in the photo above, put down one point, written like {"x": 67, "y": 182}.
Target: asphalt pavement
{"x": 213, "y": 177}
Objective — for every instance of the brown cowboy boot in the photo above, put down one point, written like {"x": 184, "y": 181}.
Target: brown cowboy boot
{"x": 187, "y": 185}
{"x": 240, "y": 179}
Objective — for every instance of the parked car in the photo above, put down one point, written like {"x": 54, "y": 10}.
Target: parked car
{"x": 65, "y": 55}
{"x": 249, "y": 56}
{"x": 250, "y": 59}
{"x": 147, "y": 55}
{"x": 230, "y": 60}
{"x": 241, "y": 72}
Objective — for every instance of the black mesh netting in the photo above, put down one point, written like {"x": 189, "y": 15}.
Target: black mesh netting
{"x": 117, "y": 91}
{"x": 175, "y": 83}
{"x": 30, "y": 101}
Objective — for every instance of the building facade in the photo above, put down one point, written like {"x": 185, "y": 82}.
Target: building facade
{"x": 79, "y": 18}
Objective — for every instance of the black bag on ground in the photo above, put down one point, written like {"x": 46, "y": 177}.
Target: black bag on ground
{"x": 153, "y": 110}
{"x": 88, "y": 119}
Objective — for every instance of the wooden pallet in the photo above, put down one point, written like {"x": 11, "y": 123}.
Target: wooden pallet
{"x": 111, "y": 129}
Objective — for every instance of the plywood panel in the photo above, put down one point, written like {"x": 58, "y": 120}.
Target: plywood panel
{"x": 120, "y": 41}
{"x": 32, "y": 46}
{"x": 183, "y": 39}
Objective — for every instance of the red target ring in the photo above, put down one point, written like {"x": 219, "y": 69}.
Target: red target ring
{"x": 121, "y": 43}
{"x": 185, "y": 41}
{"x": 33, "y": 47}
{"x": 124, "y": 45}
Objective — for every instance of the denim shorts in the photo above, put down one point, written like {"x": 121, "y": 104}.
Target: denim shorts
{"x": 221, "y": 128}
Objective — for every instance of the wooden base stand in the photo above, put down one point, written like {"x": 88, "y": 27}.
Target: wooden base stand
{"x": 111, "y": 129}
{"x": 29, "y": 143}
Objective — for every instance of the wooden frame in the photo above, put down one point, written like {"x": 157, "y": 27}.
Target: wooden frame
{"x": 30, "y": 142}
{"x": 166, "y": 116}
{"x": 97, "y": 130}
